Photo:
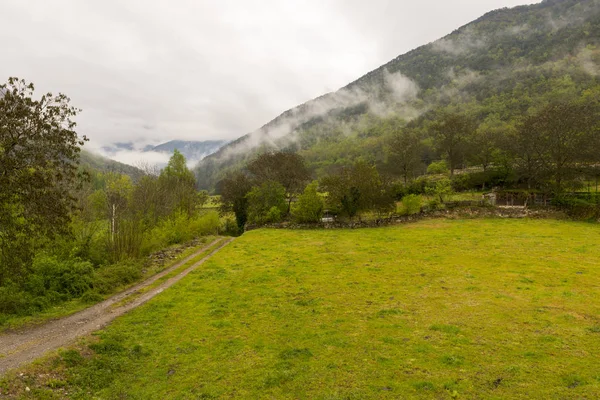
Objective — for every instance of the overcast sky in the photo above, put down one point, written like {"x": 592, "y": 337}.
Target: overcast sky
{"x": 149, "y": 71}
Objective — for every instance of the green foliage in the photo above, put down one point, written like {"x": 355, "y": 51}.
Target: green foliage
{"x": 228, "y": 225}
{"x": 117, "y": 275}
{"x": 233, "y": 190}
{"x": 355, "y": 189}
{"x": 309, "y": 207}
{"x": 286, "y": 168}
{"x": 13, "y": 300}
{"x": 437, "y": 168}
{"x": 451, "y": 132}
{"x": 441, "y": 189}
{"x": 179, "y": 182}
{"x": 180, "y": 228}
{"x": 70, "y": 278}
{"x": 266, "y": 203}
{"x": 578, "y": 208}
{"x": 39, "y": 156}
{"x": 411, "y": 204}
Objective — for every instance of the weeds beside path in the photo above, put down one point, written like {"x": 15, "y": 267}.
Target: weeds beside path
{"x": 17, "y": 348}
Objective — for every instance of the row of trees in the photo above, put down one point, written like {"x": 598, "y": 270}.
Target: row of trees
{"x": 277, "y": 185}
{"x": 62, "y": 224}
{"x": 264, "y": 191}
{"x": 550, "y": 149}
{"x": 554, "y": 148}
{"x": 129, "y": 210}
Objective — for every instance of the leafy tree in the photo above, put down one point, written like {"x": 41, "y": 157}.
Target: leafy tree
{"x": 180, "y": 184}
{"x": 452, "y": 132}
{"x": 284, "y": 167}
{"x": 39, "y": 156}
{"x": 355, "y": 189}
{"x": 309, "y": 207}
{"x": 405, "y": 149}
{"x": 437, "y": 167}
{"x": 567, "y": 134}
{"x": 124, "y": 230}
{"x": 441, "y": 189}
{"x": 233, "y": 190}
{"x": 486, "y": 140}
{"x": 266, "y": 203}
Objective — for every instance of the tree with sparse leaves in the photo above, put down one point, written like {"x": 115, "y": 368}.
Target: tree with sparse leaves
{"x": 39, "y": 157}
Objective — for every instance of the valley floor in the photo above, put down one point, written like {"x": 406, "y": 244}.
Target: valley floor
{"x": 487, "y": 308}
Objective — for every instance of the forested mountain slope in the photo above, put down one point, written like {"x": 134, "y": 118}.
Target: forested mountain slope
{"x": 496, "y": 69}
{"x": 103, "y": 164}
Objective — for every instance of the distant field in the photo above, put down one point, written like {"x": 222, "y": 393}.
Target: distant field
{"x": 436, "y": 309}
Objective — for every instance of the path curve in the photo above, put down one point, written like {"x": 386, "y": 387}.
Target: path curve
{"x": 18, "y": 348}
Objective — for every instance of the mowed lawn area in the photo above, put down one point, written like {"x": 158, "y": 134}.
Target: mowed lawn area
{"x": 436, "y": 309}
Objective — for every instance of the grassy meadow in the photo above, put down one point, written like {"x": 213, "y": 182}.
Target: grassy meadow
{"x": 437, "y": 309}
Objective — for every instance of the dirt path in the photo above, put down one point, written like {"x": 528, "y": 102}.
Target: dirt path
{"x": 17, "y": 348}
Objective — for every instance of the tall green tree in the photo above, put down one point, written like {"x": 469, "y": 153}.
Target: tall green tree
{"x": 405, "y": 149}
{"x": 180, "y": 184}
{"x": 558, "y": 142}
{"x": 309, "y": 207}
{"x": 233, "y": 190}
{"x": 451, "y": 133}
{"x": 39, "y": 157}
{"x": 266, "y": 203}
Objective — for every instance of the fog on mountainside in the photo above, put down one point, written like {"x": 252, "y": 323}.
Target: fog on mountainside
{"x": 498, "y": 64}
{"x": 158, "y": 155}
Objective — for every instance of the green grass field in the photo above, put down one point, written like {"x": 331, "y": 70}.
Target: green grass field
{"x": 437, "y": 309}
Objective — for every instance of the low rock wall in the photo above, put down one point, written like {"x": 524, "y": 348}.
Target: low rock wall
{"x": 456, "y": 213}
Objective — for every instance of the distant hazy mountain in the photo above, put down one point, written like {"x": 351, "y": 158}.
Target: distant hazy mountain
{"x": 192, "y": 150}
{"x": 103, "y": 164}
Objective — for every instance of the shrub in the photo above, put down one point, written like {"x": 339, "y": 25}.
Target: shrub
{"x": 109, "y": 277}
{"x": 179, "y": 228}
{"x": 437, "y": 167}
{"x": 71, "y": 278}
{"x": 418, "y": 186}
{"x": 274, "y": 215}
{"x": 13, "y": 300}
{"x": 576, "y": 207}
{"x": 228, "y": 225}
{"x": 441, "y": 189}
{"x": 309, "y": 207}
{"x": 411, "y": 204}
{"x": 202, "y": 225}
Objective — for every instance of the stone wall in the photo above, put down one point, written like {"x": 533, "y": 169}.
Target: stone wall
{"x": 458, "y": 213}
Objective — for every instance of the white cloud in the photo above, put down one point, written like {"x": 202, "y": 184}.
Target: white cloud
{"x": 151, "y": 71}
